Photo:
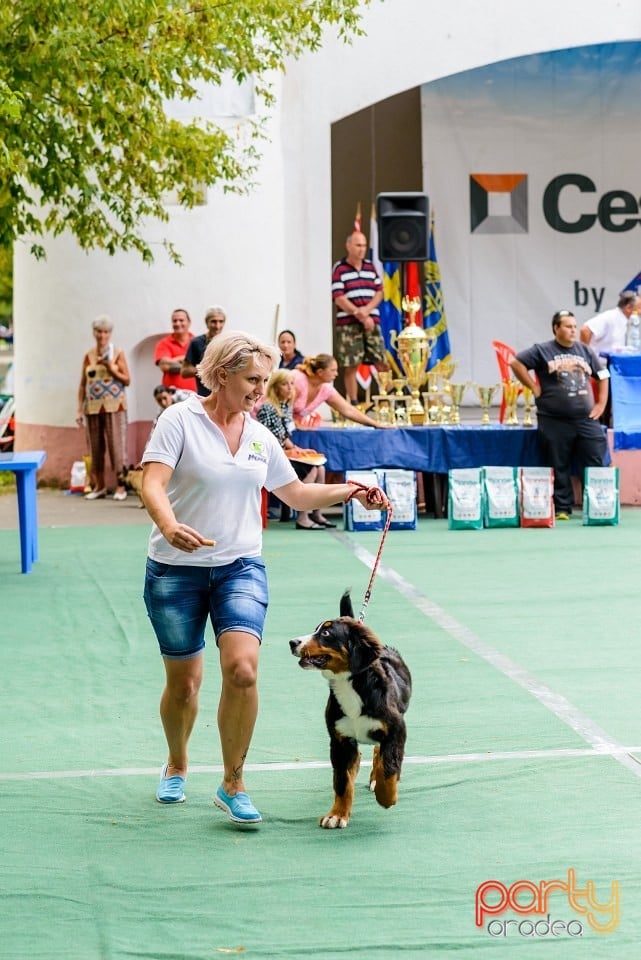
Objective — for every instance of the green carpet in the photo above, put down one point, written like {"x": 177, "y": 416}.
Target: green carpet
{"x": 523, "y": 755}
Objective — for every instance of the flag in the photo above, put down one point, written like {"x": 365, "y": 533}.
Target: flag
{"x": 364, "y": 376}
{"x": 412, "y": 290}
{"x": 373, "y": 242}
{"x": 634, "y": 284}
{"x": 391, "y": 311}
{"x": 357, "y": 218}
{"x": 434, "y": 318}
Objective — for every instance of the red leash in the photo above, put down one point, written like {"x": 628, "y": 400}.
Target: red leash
{"x": 373, "y": 495}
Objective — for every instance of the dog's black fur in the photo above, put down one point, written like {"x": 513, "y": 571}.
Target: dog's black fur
{"x": 370, "y": 688}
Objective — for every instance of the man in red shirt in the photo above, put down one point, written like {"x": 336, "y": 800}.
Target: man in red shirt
{"x": 170, "y": 352}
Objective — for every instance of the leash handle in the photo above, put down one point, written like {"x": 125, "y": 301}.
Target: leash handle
{"x": 373, "y": 494}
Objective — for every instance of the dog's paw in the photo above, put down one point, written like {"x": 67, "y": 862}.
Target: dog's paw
{"x": 372, "y": 784}
{"x": 332, "y": 821}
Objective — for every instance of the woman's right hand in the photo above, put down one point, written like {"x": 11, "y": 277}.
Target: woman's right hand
{"x": 185, "y": 538}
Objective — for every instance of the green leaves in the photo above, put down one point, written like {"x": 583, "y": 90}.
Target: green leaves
{"x": 86, "y": 142}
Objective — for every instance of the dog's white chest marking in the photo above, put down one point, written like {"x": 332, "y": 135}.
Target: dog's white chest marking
{"x": 355, "y": 723}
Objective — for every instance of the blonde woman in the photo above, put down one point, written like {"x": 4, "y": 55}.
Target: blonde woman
{"x": 102, "y": 407}
{"x": 203, "y": 471}
{"x": 276, "y": 413}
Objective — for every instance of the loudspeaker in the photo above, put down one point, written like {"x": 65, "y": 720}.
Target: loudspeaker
{"x": 403, "y": 226}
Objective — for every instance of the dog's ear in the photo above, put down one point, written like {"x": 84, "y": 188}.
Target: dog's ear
{"x": 361, "y": 649}
{"x": 346, "y": 609}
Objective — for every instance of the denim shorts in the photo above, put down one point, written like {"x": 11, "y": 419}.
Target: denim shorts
{"x": 180, "y": 598}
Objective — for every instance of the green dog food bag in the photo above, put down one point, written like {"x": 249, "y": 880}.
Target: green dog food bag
{"x": 465, "y": 499}
{"x": 500, "y": 497}
{"x": 601, "y": 496}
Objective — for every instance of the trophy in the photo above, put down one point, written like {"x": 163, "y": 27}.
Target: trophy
{"x": 486, "y": 395}
{"x": 456, "y": 390}
{"x": 413, "y": 346}
{"x": 399, "y": 386}
{"x": 528, "y": 399}
{"x": 511, "y": 391}
{"x": 432, "y": 396}
{"x": 384, "y": 411}
{"x": 384, "y": 378}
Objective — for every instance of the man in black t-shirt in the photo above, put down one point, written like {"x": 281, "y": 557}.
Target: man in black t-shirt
{"x": 214, "y": 321}
{"x": 567, "y": 413}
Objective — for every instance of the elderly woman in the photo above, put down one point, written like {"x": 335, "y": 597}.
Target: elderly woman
{"x": 276, "y": 413}
{"x": 314, "y": 384}
{"x": 203, "y": 471}
{"x": 102, "y": 407}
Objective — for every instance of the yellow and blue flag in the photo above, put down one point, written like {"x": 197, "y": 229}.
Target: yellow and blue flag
{"x": 434, "y": 317}
{"x": 391, "y": 313}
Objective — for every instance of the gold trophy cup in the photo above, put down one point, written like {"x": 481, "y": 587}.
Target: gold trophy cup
{"x": 413, "y": 346}
{"x": 457, "y": 391}
{"x": 528, "y": 399}
{"x": 511, "y": 391}
{"x": 486, "y": 395}
{"x": 384, "y": 378}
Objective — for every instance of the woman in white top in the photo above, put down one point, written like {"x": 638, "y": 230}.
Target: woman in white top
{"x": 203, "y": 471}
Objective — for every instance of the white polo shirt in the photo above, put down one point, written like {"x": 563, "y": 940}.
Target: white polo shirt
{"x": 215, "y": 493}
{"x": 608, "y": 331}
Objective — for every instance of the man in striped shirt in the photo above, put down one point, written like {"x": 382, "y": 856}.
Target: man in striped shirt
{"x": 357, "y": 292}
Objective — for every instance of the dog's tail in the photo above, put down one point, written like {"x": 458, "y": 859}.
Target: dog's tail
{"x": 346, "y": 608}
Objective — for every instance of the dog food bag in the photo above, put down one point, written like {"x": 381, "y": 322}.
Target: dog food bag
{"x": 500, "y": 497}
{"x": 537, "y": 496}
{"x": 356, "y": 516}
{"x": 465, "y": 499}
{"x": 78, "y": 480}
{"x": 400, "y": 487}
{"x": 601, "y": 496}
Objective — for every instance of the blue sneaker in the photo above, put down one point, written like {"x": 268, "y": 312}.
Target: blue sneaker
{"x": 170, "y": 789}
{"x": 238, "y": 807}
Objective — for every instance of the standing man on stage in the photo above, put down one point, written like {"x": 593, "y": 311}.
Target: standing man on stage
{"x": 357, "y": 291}
{"x": 567, "y": 415}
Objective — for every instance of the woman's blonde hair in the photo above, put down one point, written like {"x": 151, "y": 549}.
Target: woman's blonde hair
{"x": 233, "y": 351}
{"x": 313, "y": 364}
{"x": 277, "y": 378}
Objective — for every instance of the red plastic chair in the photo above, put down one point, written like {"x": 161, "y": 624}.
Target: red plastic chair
{"x": 503, "y": 356}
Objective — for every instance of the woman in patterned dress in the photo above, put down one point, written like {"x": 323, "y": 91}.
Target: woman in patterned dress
{"x": 102, "y": 408}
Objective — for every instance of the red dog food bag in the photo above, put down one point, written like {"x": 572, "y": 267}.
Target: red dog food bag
{"x": 537, "y": 496}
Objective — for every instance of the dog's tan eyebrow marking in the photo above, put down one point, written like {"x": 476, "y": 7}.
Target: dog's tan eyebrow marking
{"x": 327, "y": 623}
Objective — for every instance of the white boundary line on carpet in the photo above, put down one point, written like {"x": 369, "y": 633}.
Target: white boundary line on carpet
{"x": 589, "y": 731}
{"x": 280, "y": 766}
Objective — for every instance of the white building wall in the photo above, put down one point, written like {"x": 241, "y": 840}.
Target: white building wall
{"x": 273, "y": 247}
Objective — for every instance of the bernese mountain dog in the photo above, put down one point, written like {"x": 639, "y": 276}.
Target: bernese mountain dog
{"x": 369, "y": 691}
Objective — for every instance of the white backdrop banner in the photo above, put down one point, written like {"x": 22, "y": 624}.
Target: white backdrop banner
{"x": 533, "y": 171}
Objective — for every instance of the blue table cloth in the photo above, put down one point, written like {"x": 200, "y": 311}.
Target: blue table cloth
{"x": 435, "y": 449}
{"x": 625, "y": 383}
